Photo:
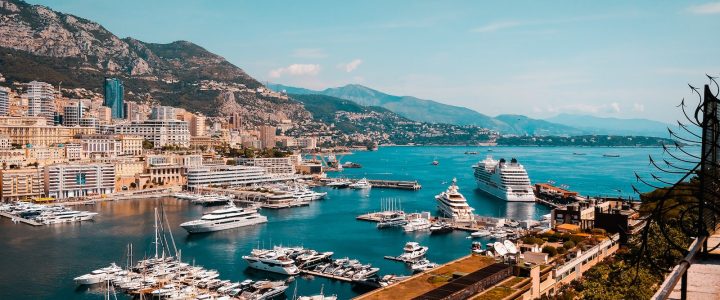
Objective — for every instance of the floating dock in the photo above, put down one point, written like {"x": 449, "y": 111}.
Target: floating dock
{"x": 395, "y": 184}
{"x": 20, "y": 219}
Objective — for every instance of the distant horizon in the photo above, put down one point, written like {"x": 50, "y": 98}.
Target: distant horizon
{"x": 577, "y": 58}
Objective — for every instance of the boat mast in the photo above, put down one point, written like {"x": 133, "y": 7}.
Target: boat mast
{"x": 156, "y": 234}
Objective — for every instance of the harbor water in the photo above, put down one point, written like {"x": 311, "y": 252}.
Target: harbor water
{"x": 40, "y": 262}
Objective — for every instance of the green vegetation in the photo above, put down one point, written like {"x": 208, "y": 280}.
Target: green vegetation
{"x": 550, "y": 250}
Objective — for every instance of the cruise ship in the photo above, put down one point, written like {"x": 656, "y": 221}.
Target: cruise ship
{"x": 453, "y": 205}
{"x": 228, "y": 217}
{"x": 507, "y": 181}
{"x": 271, "y": 261}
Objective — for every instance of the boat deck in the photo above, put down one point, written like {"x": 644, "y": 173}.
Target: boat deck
{"x": 20, "y": 219}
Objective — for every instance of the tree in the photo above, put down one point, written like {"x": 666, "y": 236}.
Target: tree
{"x": 569, "y": 245}
{"x": 550, "y": 250}
{"x": 148, "y": 144}
{"x": 231, "y": 162}
{"x": 133, "y": 185}
{"x": 613, "y": 279}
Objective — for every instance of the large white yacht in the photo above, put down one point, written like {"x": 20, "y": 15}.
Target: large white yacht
{"x": 271, "y": 261}
{"x": 361, "y": 184}
{"x": 228, "y": 217}
{"x": 412, "y": 251}
{"x": 507, "y": 181}
{"x": 63, "y": 216}
{"x": 453, "y": 205}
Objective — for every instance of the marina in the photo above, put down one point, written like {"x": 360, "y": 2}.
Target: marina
{"x": 131, "y": 221}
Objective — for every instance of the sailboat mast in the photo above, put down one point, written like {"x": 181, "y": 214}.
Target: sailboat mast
{"x": 156, "y": 234}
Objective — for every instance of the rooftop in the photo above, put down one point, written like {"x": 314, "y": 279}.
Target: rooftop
{"x": 424, "y": 282}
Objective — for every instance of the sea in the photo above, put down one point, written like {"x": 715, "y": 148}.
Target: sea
{"x": 41, "y": 262}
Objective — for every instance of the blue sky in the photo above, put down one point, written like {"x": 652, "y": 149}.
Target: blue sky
{"x": 605, "y": 58}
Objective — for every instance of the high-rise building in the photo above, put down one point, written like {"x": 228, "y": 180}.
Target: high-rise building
{"x": 41, "y": 97}
{"x": 72, "y": 114}
{"x": 4, "y": 100}
{"x": 163, "y": 113}
{"x": 132, "y": 111}
{"x": 114, "y": 97}
{"x": 197, "y": 125}
{"x": 267, "y": 136}
{"x": 235, "y": 122}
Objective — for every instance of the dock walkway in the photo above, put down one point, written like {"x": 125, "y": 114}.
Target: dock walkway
{"x": 395, "y": 184}
{"x": 327, "y": 275}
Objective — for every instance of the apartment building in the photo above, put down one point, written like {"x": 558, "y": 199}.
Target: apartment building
{"x": 79, "y": 180}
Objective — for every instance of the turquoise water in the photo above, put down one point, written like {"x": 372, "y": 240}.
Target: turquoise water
{"x": 39, "y": 263}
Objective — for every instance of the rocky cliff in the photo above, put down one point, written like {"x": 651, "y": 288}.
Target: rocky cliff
{"x": 37, "y": 43}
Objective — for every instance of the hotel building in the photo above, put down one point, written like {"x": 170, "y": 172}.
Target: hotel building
{"x": 160, "y": 132}
{"x": 21, "y": 184}
{"x": 79, "y": 180}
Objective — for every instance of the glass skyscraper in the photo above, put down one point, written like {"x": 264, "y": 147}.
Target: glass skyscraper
{"x": 114, "y": 97}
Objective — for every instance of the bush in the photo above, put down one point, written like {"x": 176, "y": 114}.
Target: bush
{"x": 576, "y": 239}
{"x": 550, "y": 250}
{"x": 569, "y": 245}
{"x": 560, "y": 250}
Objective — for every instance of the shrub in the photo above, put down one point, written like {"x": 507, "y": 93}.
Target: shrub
{"x": 560, "y": 250}
{"x": 569, "y": 245}
{"x": 598, "y": 231}
{"x": 576, "y": 239}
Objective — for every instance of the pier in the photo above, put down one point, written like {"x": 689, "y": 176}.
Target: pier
{"x": 395, "y": 184}
{"x": 327, "y": 275}
{"x": 20, "y": 219}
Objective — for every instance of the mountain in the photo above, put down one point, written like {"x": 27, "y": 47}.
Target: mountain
{"x": 406, "y": 106}
{"x": 523, "y": 124}
{"x": 434, "y": 112}
{"x": 37, "y": 43}
{"x": 377, "y": 124}
{"x": 613, "y": 126}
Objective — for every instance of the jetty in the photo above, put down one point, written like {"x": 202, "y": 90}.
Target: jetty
{"x": 331, "y": 276}
{"x": 395, "y": 184}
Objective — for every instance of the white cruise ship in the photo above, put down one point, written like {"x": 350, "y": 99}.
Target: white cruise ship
{"x": 271, "y": 261}
{"x": 453, "y": 205}
{"x": 228, "y": 217}
{"x": 507, "y": 181}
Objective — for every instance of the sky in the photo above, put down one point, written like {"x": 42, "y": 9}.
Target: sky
{"x": 626, "y": 59}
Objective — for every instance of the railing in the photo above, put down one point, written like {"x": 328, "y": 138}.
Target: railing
{"x": 679, "y": 273}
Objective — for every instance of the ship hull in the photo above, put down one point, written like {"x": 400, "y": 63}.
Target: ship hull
{"x": 503, "y": 194}
{"x": 211, "y": 227}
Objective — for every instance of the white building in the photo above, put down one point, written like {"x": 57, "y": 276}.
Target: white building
{"x": 97, "y": 145}
{"x": 272, "y": 165}
{"x": 40, "y": 96}
{"x": 4, "y": 100}
{"x": 72, "y": 114}
{"x": 160, "y": 132}
{"x": 229, "y": 176}
{"x": 163, "y": 113}
{"x": 79, "y": 180}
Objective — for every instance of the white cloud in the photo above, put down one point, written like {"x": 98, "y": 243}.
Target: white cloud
{"x": 492, "y": 27}
{"x": 296, "y": 70}
{"x": 309, "y": 53}
{"x": 351, "y": 66}
{"x": 705, "y": 9}
{"x": 615, "y": 107}
{"x": 638, "y": 107}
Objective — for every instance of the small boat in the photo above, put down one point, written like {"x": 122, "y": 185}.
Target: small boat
{"x": 611, "y": 155}
{"x": 440, "y": 227}
{"x": 412, "y": 251}
{"x": 423, "y": 265}
{"x": 480, "y": 233}
{"x": 578, "y": 153}
{"x": 471, "y": 152}
{"x": 435, "y": 162}
{"x": 361, "y": 184}
{"x": 476, "y": 248}
{"x": 499, "y": 235}
{"x": 417, "y": 224}
{"x": 351, "y": 165}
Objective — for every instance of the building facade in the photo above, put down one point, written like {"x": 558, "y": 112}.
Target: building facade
{"x": 227, "y": 176}
{"x": 159, "y": 132}
{"x": 272, "y": 165}
{"x": 267, "y": 136}
{"x": 79, "y": 180}
{"x": 21, "y": 184}
{"x": 4, "y": 101}
{"x": 41, "y": 98}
